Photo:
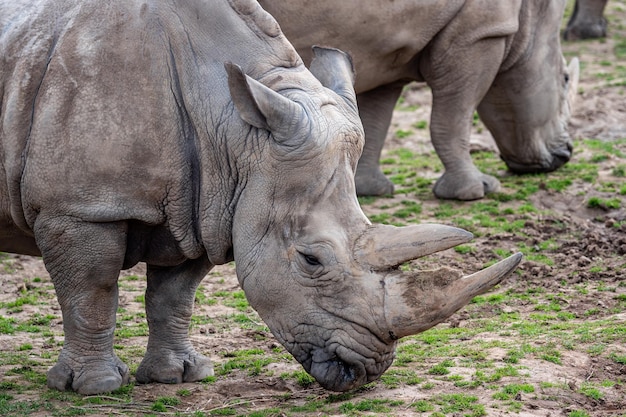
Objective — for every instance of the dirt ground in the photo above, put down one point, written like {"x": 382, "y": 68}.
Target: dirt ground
{"x": 585, "y": 236}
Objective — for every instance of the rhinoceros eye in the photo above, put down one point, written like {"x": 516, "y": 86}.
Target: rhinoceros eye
{"x": 566, "y": 78}
{"x": 311, "y": 260}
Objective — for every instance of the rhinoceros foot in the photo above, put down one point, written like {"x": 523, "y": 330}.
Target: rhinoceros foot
{"x": 465, "y": 186}
{"x": 585, "y": 30}
{"x": 96, "y": 376}
{"x": 372, "y": 182}
{"x": 169, "y": 367}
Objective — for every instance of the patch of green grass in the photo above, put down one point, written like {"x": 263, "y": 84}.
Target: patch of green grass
{"x": 401, "y": 134}
{"x": 251, "y": 360}
{"x": 620, "y": 359}
{"x": 460, "y": 403}
{"x": 604, "y": 203}
{"x": 591, "y": 391}
{"x": 163, "y": 403}
{"x": 441, "y": 368}
{"x": 395, "y": 377}
{"x": 605, "y": 146}
{"x": 464, "y": 249}
{"x": 369, "y": 405}
{"x": 409, "y": 209}
{"x": 29, "y": 374}
{"x": 9, "y": 406}
{"x": 237, "y": 299}
{"x": 619, "y": 171}
{"x": 420, "y": 124}
{"x": 302, "y": 378}
{"x": 558, "y": 184}
{"x": 7, "y": 325}
{"x": 423, "y": 406}
{"x": 510, "y": 391}
{"x": 578, "y": 413}
{"x": 125, "y": 330}
{"x": 16, "y": 305}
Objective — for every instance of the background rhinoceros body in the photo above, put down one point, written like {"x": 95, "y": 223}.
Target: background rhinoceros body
{"x": 127, "y": 136}
{"x": 502, "y": 58}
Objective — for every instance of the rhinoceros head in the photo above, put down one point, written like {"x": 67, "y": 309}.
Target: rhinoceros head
{"x": 528, "y": 107}
{"x": 324, "y": 279}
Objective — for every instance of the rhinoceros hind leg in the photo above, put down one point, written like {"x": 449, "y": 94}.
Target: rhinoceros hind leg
{"x": 376, "y": 110}
{"x": 84, "y": 260}
{"x": 170, "y": 357}
{"x": 464, "y": 186}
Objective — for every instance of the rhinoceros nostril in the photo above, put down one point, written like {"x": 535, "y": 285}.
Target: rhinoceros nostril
{"x": 559, "y": 158}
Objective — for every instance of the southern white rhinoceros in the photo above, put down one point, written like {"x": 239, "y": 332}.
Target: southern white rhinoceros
{"x": 189, "y": 133}
{"x": 587, "y": 20}
{"x": 500, "y": 57}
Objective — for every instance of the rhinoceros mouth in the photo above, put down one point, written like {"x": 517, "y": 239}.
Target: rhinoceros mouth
{"x": 557, "y": 159}
{"x": 341, "y": 369}
{"x": 338, "y": 375}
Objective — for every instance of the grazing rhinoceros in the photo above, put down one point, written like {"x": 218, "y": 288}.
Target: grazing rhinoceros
{"x": 503, "y": 58}
{"x": 587, "y": 20}
{"x": 186, "y": 134}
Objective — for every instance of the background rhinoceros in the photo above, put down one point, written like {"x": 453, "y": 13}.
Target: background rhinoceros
{"x": 502, "y": 58}
{"x": 186, "y": 134}
{"x": 587, "y": 20}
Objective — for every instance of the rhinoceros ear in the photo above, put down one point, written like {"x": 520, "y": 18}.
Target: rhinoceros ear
{"x": 334, "y": 69}
{"x": 261, "y": 106}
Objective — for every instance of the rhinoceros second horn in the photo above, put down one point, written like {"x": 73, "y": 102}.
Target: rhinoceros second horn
{"x": 416, "y": 302}
{"x": 384, "y": 246}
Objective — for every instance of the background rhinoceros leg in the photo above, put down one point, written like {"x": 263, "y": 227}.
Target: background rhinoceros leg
{"x": 170, "y": 358}
{"x": 84, "y": 261}
{"x": 454, "y": 103}
{"x": 375, "y": 109}
{"x": 587, "y": 20}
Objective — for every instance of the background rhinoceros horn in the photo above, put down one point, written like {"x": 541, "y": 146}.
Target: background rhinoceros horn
{"x": 417, "y": 301}
{"x": 573, "y": 69}
{"x": 261, "y": 106}
{"x": 384, "y": 246}
{"x": 334, "y": 69}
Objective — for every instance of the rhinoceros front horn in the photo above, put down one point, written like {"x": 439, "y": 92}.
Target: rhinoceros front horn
{"x": 573, "y": 70}
{"x": 417, "y": 301}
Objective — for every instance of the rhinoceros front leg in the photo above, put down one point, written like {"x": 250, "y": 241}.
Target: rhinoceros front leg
{"x": 458, "y": 85}
{"x": 375, "y": 109}
{"x": 84, "y": 261}
{"x": 170, "y": 357}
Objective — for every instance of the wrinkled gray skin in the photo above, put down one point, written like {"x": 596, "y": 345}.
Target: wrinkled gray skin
{"x": 502, "y": 58}
{"x": 186, "y": 134}
{"x": 587, "y": 20}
